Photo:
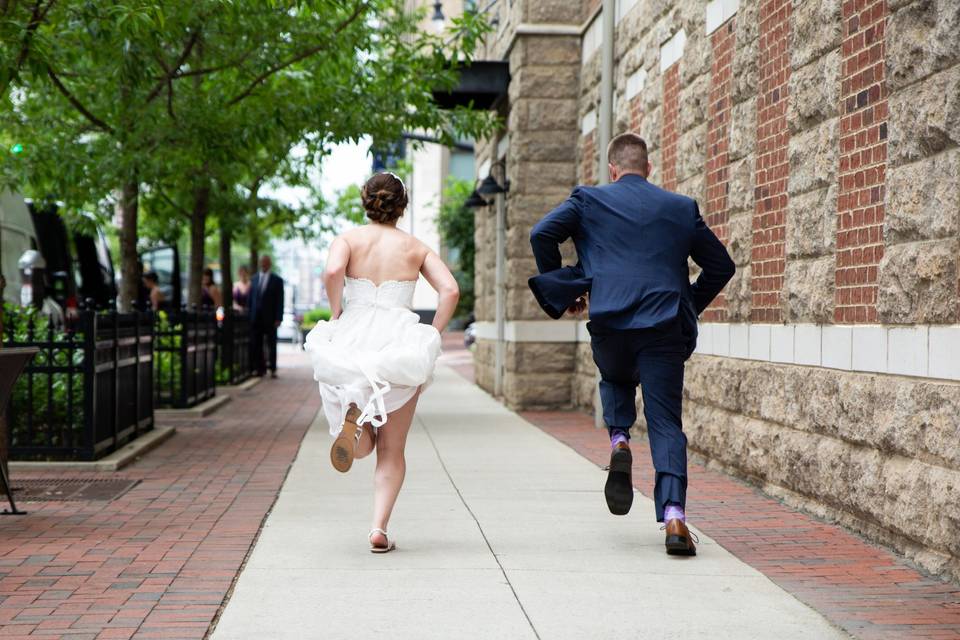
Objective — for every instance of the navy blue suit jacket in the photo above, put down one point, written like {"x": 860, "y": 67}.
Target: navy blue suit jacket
{"x": 266, "y": 309}
{"x": 633, "y": 240}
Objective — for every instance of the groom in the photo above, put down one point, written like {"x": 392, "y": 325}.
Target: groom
{"x": 633, "y": 240}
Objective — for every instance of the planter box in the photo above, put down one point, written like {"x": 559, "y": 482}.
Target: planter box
{"x": 233, "y": 355}
{"x": 185, "y": 356}
{"x": 88, "y": 391}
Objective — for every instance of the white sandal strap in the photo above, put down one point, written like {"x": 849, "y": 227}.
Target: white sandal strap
{"x": 380, "y": 531}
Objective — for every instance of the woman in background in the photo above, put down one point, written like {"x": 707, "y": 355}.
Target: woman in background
{"x": 241, "y": 289}
{"x": 209, "y": 292}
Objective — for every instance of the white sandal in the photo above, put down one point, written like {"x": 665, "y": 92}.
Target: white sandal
{"x": 391, "y": 545}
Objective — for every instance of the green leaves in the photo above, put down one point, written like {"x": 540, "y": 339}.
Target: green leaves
{"x": 175, "y": 95}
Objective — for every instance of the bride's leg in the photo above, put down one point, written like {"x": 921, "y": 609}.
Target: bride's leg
{"x": 367, "y": 442}
{"x": 391, "y": 465}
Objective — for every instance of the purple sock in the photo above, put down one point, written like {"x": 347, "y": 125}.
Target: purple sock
{"x": 617, "y": 436}
{"x": 673, "y": 512}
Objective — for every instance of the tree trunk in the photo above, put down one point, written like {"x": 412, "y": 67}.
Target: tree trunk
{"x": 226, "y": 265}
{"x": 198, "y": 237}
{"x": 129, "y": 269}
{"x": 254, "y": 253}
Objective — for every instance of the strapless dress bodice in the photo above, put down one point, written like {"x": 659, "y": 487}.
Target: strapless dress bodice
{"x": 389, "y": 294}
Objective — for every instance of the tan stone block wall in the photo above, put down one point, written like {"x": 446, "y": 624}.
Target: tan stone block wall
{"x": 538, "y": 375}
{"x": 919, "y": 271}
{"x": 877, "y": 452}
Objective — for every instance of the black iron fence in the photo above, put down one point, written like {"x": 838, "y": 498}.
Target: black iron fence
{"x": 233, "y": 356}
{"x": 89, "y": 389}
{"x": 185, "y": 355}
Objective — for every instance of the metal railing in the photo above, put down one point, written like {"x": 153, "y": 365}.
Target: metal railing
{"x": 185, "y": 354}
{"x": 233, "y": 357}
{"x": 89, "y": 389}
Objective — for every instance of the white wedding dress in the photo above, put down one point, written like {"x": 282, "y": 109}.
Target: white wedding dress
{"x": 375, "y": 355}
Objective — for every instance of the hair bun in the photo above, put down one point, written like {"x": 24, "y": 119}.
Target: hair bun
{"x": 384, "y": 198}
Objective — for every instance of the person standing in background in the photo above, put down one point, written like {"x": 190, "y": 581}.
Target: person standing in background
{"x": 266, "y": 312}
{"x": 209, "y": 291}
{"x": 151, "y": 283}
{"x": 241, "y": 289}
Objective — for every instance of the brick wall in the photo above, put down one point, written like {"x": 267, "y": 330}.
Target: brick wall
{"x": 589, "y": 160}
{"x": 772, "y": 168}
{"x": 863, "y": 160}
{"x": 671, "y": 134}
{"x": 714, "y": 208}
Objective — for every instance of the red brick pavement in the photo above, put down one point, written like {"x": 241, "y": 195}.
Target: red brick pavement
{"x": 867, "y": 590}
{"x": 158, "y": 561}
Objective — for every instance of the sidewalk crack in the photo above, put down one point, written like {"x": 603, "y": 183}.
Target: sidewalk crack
{"x": 479, "y": 526}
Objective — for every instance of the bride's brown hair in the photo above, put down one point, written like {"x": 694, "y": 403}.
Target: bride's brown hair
{"x": 384, "y": 197}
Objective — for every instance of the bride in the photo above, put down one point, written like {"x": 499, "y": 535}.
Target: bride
{"x": 374, "y": 357}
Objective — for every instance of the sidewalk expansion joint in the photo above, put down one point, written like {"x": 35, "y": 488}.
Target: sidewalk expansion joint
{"x": 486, "y": 541}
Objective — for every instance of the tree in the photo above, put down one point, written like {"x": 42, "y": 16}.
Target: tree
{"x": 20, "y": 36}
{"x": 138, "y": 95}
{"x": 455, "y": 224}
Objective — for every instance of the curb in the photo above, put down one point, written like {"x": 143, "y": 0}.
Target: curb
{"x": 202, "y": 410}
{"x": 246, "y": 385}
{"x": 120, "y": 458}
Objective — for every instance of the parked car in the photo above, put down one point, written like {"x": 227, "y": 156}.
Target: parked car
{"x": 79, "y": 267}
{"x": 17, "y": 236}
{"x": 165, "y": 262}
{"x": 470, "y": 335}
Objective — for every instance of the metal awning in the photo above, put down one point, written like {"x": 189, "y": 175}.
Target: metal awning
{"x": 482, "y": 83}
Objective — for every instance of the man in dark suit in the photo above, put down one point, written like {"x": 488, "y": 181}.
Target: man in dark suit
{"x": 266, "y": 313}
{"x": 633, "y": 240}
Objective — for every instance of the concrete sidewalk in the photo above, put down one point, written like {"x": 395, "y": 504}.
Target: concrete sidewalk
{"x": 502, "y": 532}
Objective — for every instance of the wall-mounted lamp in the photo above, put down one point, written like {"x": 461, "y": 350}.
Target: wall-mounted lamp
{"x": 438, "y": 19}
{"x": 490, "y": 186}
{"x": 475, "y": 200}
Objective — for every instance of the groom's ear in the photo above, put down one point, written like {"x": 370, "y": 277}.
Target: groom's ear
{"x": 649, "y": 169}
{"x": 612, "y": 170}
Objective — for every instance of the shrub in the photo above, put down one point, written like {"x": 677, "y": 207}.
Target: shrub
{"x": 312, "y": 317}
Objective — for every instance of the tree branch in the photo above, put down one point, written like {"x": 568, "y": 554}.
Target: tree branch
{"x": 37, "y": 17}
{"x": 220, "y": 67}
{"x": 187, "y": 48}
{"x": 100, "y": 124}
{"x": 303, "y": 55}
{"x": 174, "y": 205}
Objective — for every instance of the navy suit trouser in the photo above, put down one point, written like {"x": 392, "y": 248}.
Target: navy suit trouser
{"x": 654, "y": 360}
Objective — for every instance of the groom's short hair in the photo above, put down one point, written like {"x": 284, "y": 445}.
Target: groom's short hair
{"x": 628, "y": 151}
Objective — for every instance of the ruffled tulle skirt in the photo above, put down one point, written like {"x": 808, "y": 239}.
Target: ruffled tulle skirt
{"x": 374, "y": 357}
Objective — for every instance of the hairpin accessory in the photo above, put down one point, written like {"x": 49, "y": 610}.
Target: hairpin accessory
{"x": 399, "y": 179}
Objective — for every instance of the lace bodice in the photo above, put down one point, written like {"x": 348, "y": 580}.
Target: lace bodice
{"x": 388, "y": 294}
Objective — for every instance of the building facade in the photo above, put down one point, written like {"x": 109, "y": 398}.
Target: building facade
{"x": 820, "y": 138}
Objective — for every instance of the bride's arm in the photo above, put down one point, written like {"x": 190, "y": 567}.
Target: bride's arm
{"x": 440, "y": 278}
{"x": 334, "y": 273}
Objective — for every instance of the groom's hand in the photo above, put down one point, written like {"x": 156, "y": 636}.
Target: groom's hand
{"x": 577, "y": 307}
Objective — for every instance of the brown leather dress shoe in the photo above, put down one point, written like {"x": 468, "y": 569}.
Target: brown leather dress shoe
{"x": 679, "y": 539}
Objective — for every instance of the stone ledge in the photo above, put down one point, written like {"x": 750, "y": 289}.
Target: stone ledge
{"x": 114, "y": 462}
{"x": 202, "y": 410}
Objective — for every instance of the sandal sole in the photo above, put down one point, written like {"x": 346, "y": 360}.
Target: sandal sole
{"x": 344, "y": 447}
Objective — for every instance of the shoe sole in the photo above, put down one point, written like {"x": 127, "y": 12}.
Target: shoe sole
{"x": 344, "y": 447}
{"x": 679, "y": 546}
{"x": 619, "y": 487}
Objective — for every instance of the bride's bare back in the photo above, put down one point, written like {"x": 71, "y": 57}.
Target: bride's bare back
{"x": 381, "y": 252}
